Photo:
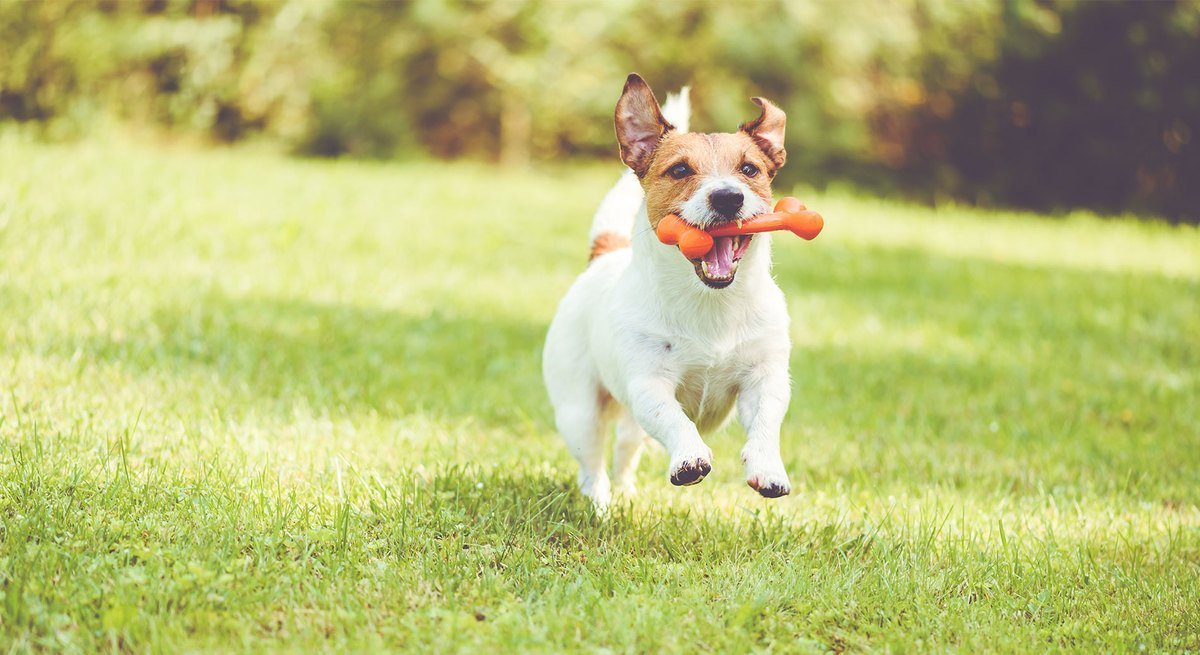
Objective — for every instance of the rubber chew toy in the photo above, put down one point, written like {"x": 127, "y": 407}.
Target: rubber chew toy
{"x": 790, "y": 214}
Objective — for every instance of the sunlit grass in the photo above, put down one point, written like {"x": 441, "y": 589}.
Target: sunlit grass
{"x": 254, "y": 403}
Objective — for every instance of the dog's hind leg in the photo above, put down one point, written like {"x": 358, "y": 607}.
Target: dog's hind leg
{"x": 578, "y": 398}
{"x": 580, "y": 421}
{"x": 631, "y": 438}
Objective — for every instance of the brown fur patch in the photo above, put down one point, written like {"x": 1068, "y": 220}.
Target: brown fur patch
{"x": 707, "y": 155}
{"x": 606, "y": 242}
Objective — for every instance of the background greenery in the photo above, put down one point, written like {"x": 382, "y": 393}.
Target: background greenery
{"x": 1048, "y": 105}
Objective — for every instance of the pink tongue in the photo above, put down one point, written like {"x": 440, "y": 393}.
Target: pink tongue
{"x": 720, "y": 258}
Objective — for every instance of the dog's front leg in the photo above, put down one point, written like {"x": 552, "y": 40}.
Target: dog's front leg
{"x": 762, "y": 403}
{"x": 653, "y": 404}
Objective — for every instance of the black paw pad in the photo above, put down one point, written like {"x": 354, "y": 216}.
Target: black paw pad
{"x": 772, "y": 490}
{"x": 690, "y": 473}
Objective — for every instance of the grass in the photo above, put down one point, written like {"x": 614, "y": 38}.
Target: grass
{"x": 258, "y": 404}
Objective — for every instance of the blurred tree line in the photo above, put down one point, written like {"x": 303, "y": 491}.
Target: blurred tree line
{"x": 1042, "y": 104}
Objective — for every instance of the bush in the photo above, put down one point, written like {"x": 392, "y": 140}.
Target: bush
{"x": 1037, "y": 104}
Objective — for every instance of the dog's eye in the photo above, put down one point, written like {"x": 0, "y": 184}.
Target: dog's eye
{"x": 749, "y": 170}
{"x": 679, "y": 171}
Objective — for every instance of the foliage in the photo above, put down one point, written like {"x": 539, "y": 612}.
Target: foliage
{"x": 223, "y": 68}
{"x": 1088, "y": 104}
{"x": 1042, "y": 104}
{"x": 266, "y": 405}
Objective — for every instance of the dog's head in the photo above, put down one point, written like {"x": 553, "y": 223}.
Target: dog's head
{"x": 705, "y": 179}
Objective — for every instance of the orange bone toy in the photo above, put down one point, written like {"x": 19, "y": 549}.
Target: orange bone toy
{"x": 694, "y": 243}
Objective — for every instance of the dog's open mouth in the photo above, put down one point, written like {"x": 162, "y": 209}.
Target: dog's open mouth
{"x": 717, "y": 268}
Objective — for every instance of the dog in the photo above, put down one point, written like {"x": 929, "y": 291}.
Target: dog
{"x": 662, "y": 345}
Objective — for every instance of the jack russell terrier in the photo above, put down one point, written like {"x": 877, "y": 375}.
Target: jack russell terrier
{"x": 663, "y": 345}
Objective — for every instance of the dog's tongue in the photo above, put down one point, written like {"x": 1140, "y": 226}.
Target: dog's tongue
{"x": 720, "y": 258}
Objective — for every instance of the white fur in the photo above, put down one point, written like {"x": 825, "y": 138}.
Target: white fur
{"x": 615, "y": 213}
{"x": 640, "y": 334}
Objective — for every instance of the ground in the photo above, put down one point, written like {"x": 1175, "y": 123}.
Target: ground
{"x": 253, "y": 403}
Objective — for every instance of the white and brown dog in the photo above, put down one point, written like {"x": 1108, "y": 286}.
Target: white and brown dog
{"x": 662, "y": 344}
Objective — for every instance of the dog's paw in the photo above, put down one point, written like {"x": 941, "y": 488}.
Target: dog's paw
{"x": 598, "y": 491}
{"x": 690, "y": 470}
{"x": 770, "y": 488}
{"x": 766, "y": 475}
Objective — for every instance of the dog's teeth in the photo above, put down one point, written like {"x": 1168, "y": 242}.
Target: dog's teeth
{"x": 704, "y": 267}
{"x": 734, "y": 269}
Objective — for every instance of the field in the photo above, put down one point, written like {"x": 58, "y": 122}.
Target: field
{"x": 255, "y": 404}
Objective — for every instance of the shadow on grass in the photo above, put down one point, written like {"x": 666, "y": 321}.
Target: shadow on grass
{"x": 340, "y": 358}
{"x": 544, "y": 516}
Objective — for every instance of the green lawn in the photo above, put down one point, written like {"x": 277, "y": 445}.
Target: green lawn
{"x": 259, "y": 404}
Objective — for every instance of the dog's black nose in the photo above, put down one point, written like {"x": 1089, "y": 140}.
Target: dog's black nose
{"x": 726, "y": 201}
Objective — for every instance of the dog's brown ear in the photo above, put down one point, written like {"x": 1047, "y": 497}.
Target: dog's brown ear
{"x": 640, "y": 124}
{"x": 767, "y": 131}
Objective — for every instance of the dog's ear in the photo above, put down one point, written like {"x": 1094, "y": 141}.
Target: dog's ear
{"x": 640, "y": 124}
{"x": 767, "y": 131}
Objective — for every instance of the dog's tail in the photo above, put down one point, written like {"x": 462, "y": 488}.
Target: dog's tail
{"x": 678, "y": 109}
{"x": 613, "y": 222}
